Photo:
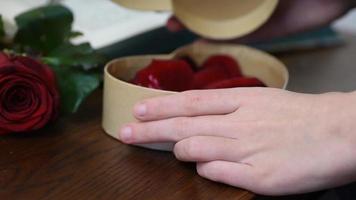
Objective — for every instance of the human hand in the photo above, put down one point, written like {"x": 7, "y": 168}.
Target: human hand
{"x": 268, "y": 141}
{"x": 290, "y": 17}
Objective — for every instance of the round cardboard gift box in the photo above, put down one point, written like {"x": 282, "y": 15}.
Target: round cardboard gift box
{"x": 120, "y": 96}
{"x": 223, "y": 19}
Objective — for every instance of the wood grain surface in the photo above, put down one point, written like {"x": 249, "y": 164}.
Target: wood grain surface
{"x": 75, "y": 159}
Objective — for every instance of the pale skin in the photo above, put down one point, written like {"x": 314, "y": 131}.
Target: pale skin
{"x": 265, "y": 140}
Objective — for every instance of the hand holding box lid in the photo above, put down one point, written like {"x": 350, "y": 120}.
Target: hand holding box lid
{"x": 226, "y": 19}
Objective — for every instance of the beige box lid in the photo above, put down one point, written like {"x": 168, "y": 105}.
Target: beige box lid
{"x": 214, "y": 19}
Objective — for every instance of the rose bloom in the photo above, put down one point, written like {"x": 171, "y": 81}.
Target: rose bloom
{"x": 29, "y": 98}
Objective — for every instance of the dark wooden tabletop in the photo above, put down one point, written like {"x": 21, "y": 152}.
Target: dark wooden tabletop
{"x": 75, "y": 159}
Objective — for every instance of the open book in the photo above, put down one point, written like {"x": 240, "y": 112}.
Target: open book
{"x": 101, "y": 21}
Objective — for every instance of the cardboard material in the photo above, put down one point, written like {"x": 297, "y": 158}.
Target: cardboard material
{"x": 225, "y": 19}
{"x": 146, "y": 4}
{"x": 120, "y": 96}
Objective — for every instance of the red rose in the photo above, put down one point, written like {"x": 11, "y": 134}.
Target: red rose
{"x": 28, "y": 94}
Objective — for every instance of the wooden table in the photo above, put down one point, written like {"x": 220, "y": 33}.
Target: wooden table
{"x": 75, "y": 159}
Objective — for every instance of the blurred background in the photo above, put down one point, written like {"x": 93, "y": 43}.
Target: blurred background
{"x": 118, "y": 31}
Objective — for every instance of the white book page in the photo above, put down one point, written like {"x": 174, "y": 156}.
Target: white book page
{"x": 347, "y": 24}
{"x": 104, "y": 22}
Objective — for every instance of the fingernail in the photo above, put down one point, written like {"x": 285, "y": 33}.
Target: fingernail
{"x": 140, "y": 110}
{"x": 125, "y": 134}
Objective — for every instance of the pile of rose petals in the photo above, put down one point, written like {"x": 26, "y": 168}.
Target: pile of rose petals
{"x": 218, "y": 71}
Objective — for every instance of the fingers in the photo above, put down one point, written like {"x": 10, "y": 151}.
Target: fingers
{"x": 235, "y": 174}
{"x": 208, "y": 148}
{"x": 174, "y": 25}
{"x": 190, "y": 103}
{"x": 176, "y": 129}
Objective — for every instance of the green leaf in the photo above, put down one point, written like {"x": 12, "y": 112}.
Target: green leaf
{"x": 2, "y": 30}
{"x": 44, "y": 29}
{"x": 47, "y": 30}
{"x": 74, "y": 85}
{"x": 75, "y": 34}
{"x": 82, "y": 55}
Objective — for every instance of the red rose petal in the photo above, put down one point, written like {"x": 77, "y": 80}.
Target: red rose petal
{"x": 3, "y": 131}
{"x": 28, "y": 92}
{"x": 208, "y": 75}
{"x": 21, "y": 126}
{"x": 47, "y": 116}
{"x": 172, "y": 75}
{"x": 227, "y": 63}
{"x": 18, "y": 99}
{"x": 216, "y": 68}
{"x": 25, "y": 112}
{"x": 4, "y": 60}
{"x": 191, "y": 62}
{"x": 45, "y": 72}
